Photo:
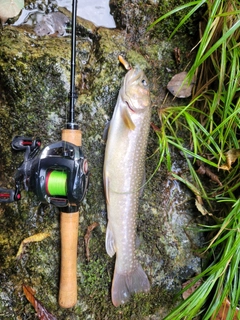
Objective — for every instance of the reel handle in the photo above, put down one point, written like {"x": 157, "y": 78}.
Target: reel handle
{"x": 20, "y": 143}
{"x": 69, "y": 240}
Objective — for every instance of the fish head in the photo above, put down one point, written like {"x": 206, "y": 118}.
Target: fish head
{"x": 136, "y": 90}
{"x": 135, "y": 95}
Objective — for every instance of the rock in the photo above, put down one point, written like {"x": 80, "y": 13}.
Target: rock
{"x": 52, "y": 23}
{"x": 34, "y": 87}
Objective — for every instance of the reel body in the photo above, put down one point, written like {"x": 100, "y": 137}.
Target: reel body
{"x": 57, "y": 174}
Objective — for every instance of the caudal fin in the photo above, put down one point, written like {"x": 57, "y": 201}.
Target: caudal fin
{"x": 125, "y": 284}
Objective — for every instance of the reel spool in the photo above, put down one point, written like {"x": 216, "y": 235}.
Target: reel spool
{"x": 61, "y": 175}
{"x": 56, "y": 183}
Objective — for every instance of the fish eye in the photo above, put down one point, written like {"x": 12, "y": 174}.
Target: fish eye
{"x": 144, "y": 82}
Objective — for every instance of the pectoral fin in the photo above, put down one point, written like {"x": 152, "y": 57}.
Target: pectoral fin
{"x": 127, "y": 119}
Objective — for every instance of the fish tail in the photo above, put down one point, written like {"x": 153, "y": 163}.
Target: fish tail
{"x": 124, "y": 285}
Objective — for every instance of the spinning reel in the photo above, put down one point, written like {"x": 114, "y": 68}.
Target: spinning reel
{"x": 57, "y": 174}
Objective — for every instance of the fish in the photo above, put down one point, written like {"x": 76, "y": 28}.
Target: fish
{"x": 123, "y": 175}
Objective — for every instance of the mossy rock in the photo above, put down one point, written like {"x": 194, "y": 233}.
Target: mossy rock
{"x": 34, "y": 84}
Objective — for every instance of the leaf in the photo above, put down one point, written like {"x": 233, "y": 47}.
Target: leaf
{"x": 231, "y": 156}
{"x": 42, "y": 312}
{"x": 198, "y": 200}
{"x": 179, "y": 86}
{"x": 10, "y": 8}
{"x": 223, "y": 312}
{"x": 190, "y": 290}
{"x": 87, "y": 238}
{"x": 205, "y": 170}
{"x": 126, "y": 65}
{"x": 36, "y": 237}
{"x": 155, "y": 128}
{"x": 177, "y": 55}
{"x": 201, "y": 208}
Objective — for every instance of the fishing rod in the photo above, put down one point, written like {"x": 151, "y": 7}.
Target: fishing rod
{"x": 58, "y": 175}
{"x": 69, "y": 220}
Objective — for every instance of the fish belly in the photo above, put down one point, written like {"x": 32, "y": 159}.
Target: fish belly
{"x": 122, "y": 223}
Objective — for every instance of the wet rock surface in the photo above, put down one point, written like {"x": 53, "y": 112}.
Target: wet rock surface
{"x": 34, "y": 87}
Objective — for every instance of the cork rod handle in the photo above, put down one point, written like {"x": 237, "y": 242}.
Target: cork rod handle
{"x": 68, "y": 272}
{"x": 69, "y": 241}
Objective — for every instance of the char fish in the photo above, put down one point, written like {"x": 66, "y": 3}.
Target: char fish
{"x": 123, "y": 178}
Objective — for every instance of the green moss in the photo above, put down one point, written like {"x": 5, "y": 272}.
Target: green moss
{"x": 96, "y": 281}
{"x": 164, "y": 29}
{"x": 137, "y": 59}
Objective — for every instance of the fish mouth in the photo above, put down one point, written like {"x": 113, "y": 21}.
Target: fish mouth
{"x": 129, "y": 106}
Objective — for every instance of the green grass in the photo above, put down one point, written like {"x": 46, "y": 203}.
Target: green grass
{"x": 221, "y": 277}
{"x": 207, "y": 131}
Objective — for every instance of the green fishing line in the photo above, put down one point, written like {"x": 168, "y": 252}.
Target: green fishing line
{"x": 56, "y": 183}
